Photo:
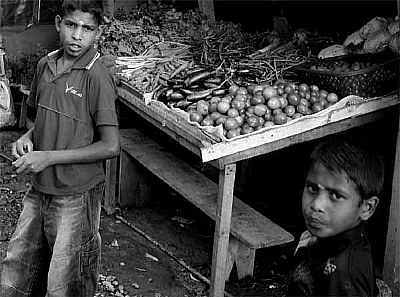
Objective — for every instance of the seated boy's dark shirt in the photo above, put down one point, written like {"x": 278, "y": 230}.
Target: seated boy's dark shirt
{"x": 340, "y": 265}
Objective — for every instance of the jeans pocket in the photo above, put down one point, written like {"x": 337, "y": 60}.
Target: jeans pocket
{"x": 90, "y": 264}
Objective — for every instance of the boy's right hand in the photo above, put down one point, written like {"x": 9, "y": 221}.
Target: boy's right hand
{"x": 22, "y": 146}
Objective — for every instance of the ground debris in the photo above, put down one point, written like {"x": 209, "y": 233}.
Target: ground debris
{"x": 110, "y": 286}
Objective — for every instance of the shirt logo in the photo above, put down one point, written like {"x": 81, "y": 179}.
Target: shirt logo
{"x": 71, "y": 90}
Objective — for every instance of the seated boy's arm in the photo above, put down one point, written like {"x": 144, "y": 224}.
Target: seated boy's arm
{"x": 106, "y": 147}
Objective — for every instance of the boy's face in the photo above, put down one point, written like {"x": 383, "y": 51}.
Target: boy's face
{"x": 78, "y": 30}
{"x": 331, "y": 202}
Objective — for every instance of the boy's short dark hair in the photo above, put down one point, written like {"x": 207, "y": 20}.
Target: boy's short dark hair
{"x": 363, "y": 166}
{"x": 94, "y": 7}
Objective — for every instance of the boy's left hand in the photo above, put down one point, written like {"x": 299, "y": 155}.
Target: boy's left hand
{"x": 34, "y": 162}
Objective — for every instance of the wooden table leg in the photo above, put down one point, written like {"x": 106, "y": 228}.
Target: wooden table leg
{"x": 109, "y": 193}
{"x": 222, "y": 229}
{"x": 391, "y": 268}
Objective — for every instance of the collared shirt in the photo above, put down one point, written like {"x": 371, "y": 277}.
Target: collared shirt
{"x": 69, "y": 107}
{"x": 340, "y": 265}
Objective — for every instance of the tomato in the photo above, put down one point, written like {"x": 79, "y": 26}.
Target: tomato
{"x": 240, "y": 97}
{"x": 251, "y": 87}
{"x": 284, "y": 102}
{"x": 274, "y": 103}
{"x": 223, "y": 106}
{"x": 280, "y": 91}
{"x": 265, "y": 84}
{"x": 323, "y": 94}
{"x": 290, "y": 110}
{"x": 240, "y": 120}
{"x": 314, "y": 88}
{"x": 332, "y": 98}
{"x": 288, "y": 89}
{"x": 207, "y": 121}
{"x": 258, "y": 89}
{"x": 196, "y": 116}
{"x": 232, "y": 112}
{"x": 293, "y": 99}
{"x": 232, "y": 133}
{"x": 252, "y": 121}
{"x": 297, "y": 115}
{"x": 268, "y": 117}
{"x": 304, "y": 102}
{"x": 303, "y": 109}
{"x": 231, "y": 123}
{"x": 260, "y": 110}
{"x": 215, "y": 115}
{"x": 268, "y": 124}
{"x": 257, "y": 100}
{"x": 324, "y": 102}
{"x": 238, "y": 104}
{"x": 314, "y": 99}
{"x": 241, "y": 91}
{"x": 214, "y": 100}
{"x": 227, "y": 99}
{"x": 302, "y": 94}
{"x": 202, "y": 101}
{"x": 220, "y": 120}
{"x": 213, "y": 107}
{"x": 246, "y": 129}
{"x": 261, "y": 122}
{"x": 303, "y": 88}
{"x": 277, "y": 111}
{"x": 232, "y": 89}
{"x": 269, "y": 92}
{"x": 202, "y": 108}
{"x": 317, "y": 107}
{"x": 280, "y": 119}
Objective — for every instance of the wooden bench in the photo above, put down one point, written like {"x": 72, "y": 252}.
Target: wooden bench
{"x": 250, "y": 230}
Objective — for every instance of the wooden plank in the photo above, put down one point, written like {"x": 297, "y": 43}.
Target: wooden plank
{"x": 248, "y": 225}
{"x": 391, "y": 268}
{"x": 349, "y": 107}
{"x": 316, "y": 133}
{"x": 222, "y": 229}
{"x": 207, "y": 7}
{"x": 110, "y": 185}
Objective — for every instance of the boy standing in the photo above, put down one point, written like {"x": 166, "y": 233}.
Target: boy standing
{"x": 341, "y": 192}
{"x": 55, "y": 249}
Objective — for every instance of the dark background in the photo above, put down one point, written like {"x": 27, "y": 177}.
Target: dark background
{"x": 325, "y": 16}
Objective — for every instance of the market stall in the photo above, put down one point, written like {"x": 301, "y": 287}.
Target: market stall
{"x": 229, "y": 96}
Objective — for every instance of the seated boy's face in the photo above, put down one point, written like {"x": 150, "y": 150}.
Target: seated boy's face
{"x": 78, "y": 30}
{"x": 331, "y": 203}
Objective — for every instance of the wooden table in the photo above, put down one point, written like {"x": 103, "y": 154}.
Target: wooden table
{"x": 225, "y": 155}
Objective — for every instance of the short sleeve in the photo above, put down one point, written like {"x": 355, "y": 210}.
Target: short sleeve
{"x": 102, "y": 96}
{"x": 32, "y": 98}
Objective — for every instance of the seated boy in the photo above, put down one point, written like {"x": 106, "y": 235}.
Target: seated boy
{"x": 333, "y": 257}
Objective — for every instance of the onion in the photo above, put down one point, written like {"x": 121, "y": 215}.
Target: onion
{"x": 394, "y": 43}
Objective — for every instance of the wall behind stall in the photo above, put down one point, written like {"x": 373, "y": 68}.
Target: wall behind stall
{"x": 326, "y": 16}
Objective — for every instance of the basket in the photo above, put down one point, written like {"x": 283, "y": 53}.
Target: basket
{"x": 380, "y": 78}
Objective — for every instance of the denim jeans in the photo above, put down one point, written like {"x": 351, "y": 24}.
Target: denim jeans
{"x": 55, "y": 249}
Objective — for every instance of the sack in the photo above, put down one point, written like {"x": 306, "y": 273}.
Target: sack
{"x": 7, "y": 114}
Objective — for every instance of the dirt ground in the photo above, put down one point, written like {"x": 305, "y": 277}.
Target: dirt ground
{"x": 153, "y": 250}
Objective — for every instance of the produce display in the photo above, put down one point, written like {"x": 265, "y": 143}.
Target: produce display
{"x": 222, "y": 76}
{"x": 375, "y": 36}
{"x": 243, "y": 110}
